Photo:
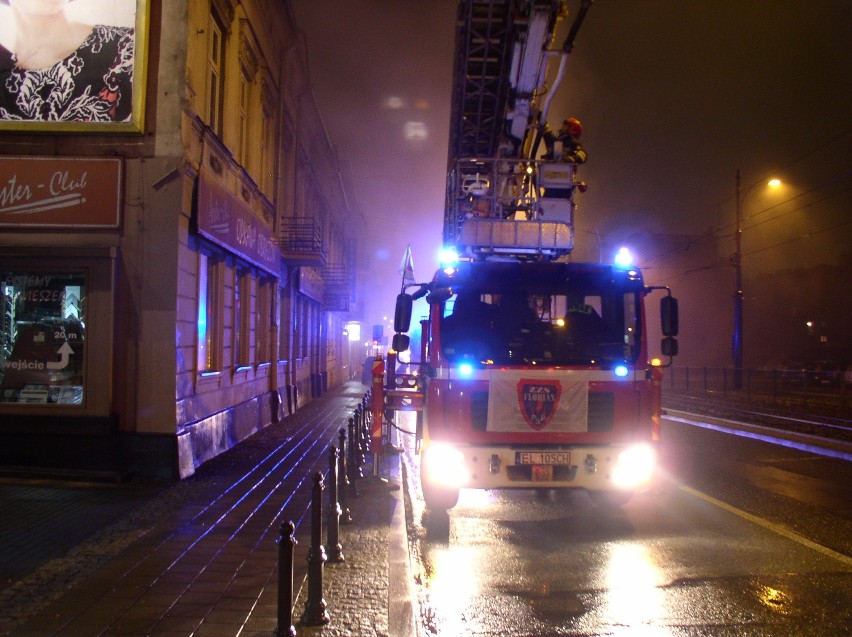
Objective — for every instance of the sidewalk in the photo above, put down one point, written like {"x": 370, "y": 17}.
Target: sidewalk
{"x": 199, "y": 557}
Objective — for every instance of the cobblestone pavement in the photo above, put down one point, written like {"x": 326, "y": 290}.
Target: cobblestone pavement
{"x": 199, "y": 557}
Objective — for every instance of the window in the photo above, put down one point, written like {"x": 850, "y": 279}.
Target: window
{"x": 588, "y": 323}
{"x": 245, "y": 118}
{"x": 284, "y": 328}
{"x": 631, "y": 322}
{"x": 305, "y": 327}
{"x": 215, "y": 72}
{"x": 242, "y": 319}
{"x": 264, "y": 321}
{"x": 266, "y": 153}
{"x": 42, "y": 337}
{"x": 209, "y": 349}
{"x": 297, "y": 328}
{"x": 249, "y": 113}
{"x": 268, "y": 142}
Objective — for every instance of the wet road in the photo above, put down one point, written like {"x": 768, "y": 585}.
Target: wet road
{"x": 742, "y": 537}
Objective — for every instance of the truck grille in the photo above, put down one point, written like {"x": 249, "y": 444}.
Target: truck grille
{"x": 601, "y": 411}
{"x": 479, "y": 410}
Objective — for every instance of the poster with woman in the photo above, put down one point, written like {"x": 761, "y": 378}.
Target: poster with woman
{"x": 72, "y": 65}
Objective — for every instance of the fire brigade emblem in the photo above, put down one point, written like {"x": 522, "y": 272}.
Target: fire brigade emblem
{"x": 538, "y": 400}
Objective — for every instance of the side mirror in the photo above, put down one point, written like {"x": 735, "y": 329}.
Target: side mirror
{"x": 402, "y": 314}
{"x": 668, "y": 346}
{"x": 668, "y": 316}
{"x": 400, "y": 342}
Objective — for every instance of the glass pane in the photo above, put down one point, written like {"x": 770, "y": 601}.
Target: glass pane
{"x": 42, "y": 337}
{"x": 202, "y": 357}
{"x": 239, "y": 327}
{"x": 590, "y": 324}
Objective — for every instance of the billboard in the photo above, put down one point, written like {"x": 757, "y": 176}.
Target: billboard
{"x": 73, "y": 65}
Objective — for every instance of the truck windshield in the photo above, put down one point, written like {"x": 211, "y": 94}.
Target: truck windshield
{"x": 593, "y": 326}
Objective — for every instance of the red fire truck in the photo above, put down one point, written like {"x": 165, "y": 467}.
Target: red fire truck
{"x": 535, "y": 370}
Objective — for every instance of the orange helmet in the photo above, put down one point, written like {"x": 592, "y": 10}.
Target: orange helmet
{"x": 574, "y": 126}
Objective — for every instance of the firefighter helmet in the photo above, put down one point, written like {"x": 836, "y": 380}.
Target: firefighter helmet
{"x": 573, "y": 126}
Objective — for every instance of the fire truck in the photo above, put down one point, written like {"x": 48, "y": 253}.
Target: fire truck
{"x": 535, "y": 370}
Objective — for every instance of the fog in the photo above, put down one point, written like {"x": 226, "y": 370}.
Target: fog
{"x": 675, "y": 98}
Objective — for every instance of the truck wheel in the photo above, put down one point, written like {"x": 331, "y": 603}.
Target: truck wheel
{"x": 610, "y": 499}
{"x": 439, "y": 498}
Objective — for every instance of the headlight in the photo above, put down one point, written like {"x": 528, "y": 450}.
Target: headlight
{"x": 634, "y": 467}
{"x": 443, "y": 465}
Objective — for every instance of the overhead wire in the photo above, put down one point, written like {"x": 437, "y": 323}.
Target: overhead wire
{"x": 798, "y": 238}
{"x": 728, "y": 229}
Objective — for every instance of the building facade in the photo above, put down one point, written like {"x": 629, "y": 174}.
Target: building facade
{"x": 178, "y": 279}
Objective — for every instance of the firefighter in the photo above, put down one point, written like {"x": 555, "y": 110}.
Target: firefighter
{"x": 569, "y": 138}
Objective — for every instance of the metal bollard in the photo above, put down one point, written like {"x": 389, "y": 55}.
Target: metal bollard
{"x": 366, "y": 419}
{"x": 359, "y": 436}
{"x": 315, "y": 607}
{"x": 343, "y": 479}
{"x": 335, "y": 549}
{"x": 354, "y": 458}
{"x": 286, "y": 545}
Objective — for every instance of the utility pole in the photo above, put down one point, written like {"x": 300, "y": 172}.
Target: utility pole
{"x": 738, "y": 294}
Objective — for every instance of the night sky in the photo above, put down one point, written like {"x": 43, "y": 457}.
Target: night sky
{"x": 675, "y": 96}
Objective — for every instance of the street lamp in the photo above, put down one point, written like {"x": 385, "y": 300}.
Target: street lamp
{"x": 738, "y": 294}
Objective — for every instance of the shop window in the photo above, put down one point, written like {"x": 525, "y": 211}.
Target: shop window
{"x": 264, "y": 320}
{"x": 285, "y": 328}
{"x": 209, "y": 351}
{"x": 42, "y": 337}
{"x": 300, "y": 329}
{"x": 242, "y": 319}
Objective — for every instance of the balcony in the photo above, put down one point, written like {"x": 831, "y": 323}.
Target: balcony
{"x": 337, "y": 293}
{"x": 301, "y": 243}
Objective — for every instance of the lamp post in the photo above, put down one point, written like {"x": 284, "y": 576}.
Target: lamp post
{"x": 737, "y": 341}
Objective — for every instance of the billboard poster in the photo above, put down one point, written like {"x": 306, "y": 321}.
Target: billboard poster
{"x": 73, "y": 65}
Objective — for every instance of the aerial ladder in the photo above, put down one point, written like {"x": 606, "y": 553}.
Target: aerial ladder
{"x": 502, "y": 198}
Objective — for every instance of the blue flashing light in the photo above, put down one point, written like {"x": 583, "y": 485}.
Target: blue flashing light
{"x": 621, "y": 370}
{"x": 623, "y": 258}
{"x": 466, "y": 370}
{"x": 448, "y": 258}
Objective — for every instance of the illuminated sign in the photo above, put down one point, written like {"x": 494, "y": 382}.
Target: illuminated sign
{"x": 226, "y": 220}
{"x": 56, "y": 192}
{"x": 311, "y": 283}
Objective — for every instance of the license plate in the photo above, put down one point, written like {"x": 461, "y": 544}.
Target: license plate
{"x": 543, "y": 457}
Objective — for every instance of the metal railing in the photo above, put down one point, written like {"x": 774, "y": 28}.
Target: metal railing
{"x": 808, "y": 388}
{"x": 301, "y": 236}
